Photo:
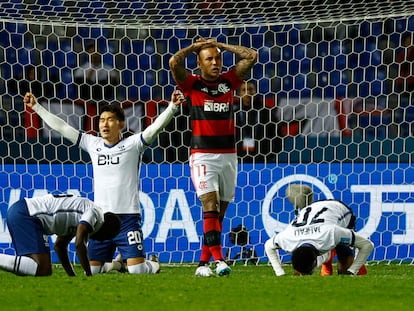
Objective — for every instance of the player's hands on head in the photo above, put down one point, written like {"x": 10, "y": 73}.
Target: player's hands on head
{"x": 29, "y": 99}
{"x": 198, "y": 44}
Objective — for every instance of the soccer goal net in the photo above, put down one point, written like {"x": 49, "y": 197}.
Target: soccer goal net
{"x": 331, "y": 107}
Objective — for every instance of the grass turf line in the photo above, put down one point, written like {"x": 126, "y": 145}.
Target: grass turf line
{"x": 386, "y": 287}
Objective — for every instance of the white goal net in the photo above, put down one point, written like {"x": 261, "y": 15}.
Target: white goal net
{"x": 333, "y": 109}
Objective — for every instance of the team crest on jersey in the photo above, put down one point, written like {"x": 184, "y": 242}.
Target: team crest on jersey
{"x": 223, "y": 88}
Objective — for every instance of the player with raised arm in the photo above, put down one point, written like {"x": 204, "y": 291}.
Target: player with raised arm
{"x": 213, "y": 160}
{"x": 116, "y": 165}
{"x": 31, "y": 220}
{"x": 319, "y": 228}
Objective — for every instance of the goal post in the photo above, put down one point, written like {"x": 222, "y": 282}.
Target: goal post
{"x": 333, "y": 110}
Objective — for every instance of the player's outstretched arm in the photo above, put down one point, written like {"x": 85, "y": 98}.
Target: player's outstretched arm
{"x": 152, "y": 131}
{"x": 53, "y": 121}
{"x": 365, "y": 247}
{"x": 274, "y": 258}
{"x": 61, "y": 249}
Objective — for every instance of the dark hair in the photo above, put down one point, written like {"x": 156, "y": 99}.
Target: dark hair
{"x": 115, "y": 109}
{"x": 304, "y": 259}
{"x": 109, "y": 229}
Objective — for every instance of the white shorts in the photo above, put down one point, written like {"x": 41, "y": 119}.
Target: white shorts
{"x": 214, "y": 172}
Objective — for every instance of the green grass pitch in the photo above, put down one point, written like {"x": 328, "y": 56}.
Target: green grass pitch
{"x": 386, "y": 287}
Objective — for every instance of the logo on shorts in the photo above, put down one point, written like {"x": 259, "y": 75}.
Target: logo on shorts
{"x": 202, "y": 185}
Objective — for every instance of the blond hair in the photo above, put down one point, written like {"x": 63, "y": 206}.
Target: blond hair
{"x": 299, "y": 195}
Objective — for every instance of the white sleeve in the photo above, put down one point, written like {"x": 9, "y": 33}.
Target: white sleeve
{"x": 322, "y": 259}
{"x": 365, "y": 248}
{"x": 274, "y": 258}
{"x": 151, "y": 132}
{"x": 57, "y": 123}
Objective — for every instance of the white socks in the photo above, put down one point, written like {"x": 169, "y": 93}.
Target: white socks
{"x": 147, "y": 267}
{"x": 20, "y": 265}
{"x": 108, "y": 266}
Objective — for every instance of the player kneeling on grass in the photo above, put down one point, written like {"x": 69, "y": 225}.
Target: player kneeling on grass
{"x": 319, "y": 229}
{"x": 31, "y": 220}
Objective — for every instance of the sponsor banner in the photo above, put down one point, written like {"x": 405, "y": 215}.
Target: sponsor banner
{"x": 381, "y": 195}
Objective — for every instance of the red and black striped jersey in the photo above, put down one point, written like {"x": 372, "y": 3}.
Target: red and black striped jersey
{"x": 211, "y": 110}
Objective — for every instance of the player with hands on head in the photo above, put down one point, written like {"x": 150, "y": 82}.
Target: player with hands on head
{"x": 116, "y": 163}
{"x": 318, "y": 229}
{"x": 31, "y": 220}
{"x": 213, "y": 159}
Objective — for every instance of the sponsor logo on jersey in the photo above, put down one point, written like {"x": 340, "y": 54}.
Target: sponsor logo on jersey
{"x": 106, "y": 159}
{"x": 211, "y": 106}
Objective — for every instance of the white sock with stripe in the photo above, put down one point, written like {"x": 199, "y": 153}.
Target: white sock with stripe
{"x": 20, "y": 265}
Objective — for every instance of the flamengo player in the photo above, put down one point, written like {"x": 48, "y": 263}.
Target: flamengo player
{"x": 213, "y": 160}
{"x": 116, "y": 164}
{"x": 319, "y": 228}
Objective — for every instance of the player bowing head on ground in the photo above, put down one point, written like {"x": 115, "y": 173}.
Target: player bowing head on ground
{"x": 301, "y": 195}
{"x": 32, "y": 220}
{"x": 116, "y": 163}
{"x": 213, "y": 160}
{"x": 319, "y": 228}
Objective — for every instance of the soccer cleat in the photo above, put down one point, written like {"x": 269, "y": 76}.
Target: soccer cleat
{"x": 118, "y": 264}
{"x": 222, "y": 268}
{"x": 154, "y": 258}
{"x": 204, "y": 271}
{"x": 363, "y": 270}
{"x": 327, "y": 268}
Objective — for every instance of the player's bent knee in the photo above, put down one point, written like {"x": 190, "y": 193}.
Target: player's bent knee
{"x": 39, "y": 263}
{"x": 209, "y": 201}
{"x": 135, "y": 261}
{"x": 44, "y": 271}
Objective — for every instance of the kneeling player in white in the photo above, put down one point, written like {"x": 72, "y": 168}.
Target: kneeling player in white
{"x": 31, "y": 220}
{"x": 318, "y": 229}
{"x": 300, "y": 196}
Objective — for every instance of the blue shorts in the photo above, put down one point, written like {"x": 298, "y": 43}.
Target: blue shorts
{"x": 26, "y": 231}
{"x": 129, "y": 241}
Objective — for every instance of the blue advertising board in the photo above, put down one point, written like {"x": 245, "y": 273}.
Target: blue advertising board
{"x": 381, "y": 195}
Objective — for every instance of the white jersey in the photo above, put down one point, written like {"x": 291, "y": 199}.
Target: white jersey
{"x": 323, "y": 237}
{"x": 116, "y": 172}
{"x": 62, "y": 214}
{"x": 322, "y": 224}
{"x": 326, "y": 211}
